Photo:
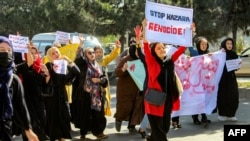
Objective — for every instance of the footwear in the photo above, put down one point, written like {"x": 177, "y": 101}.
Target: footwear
{"x": 82, "y": 137}
{"x": 102, "y": 136}
{"x": 222, "y": 118}
{"x": 196, "y": 121}
{"x": 132, "y": 130}
{"x": 176, "y": 125}
{"x": 143, "y": 133}
{"x": 148, "y": 138}
{"x": 232, "y": 119}
{"x": 118, "y": 125}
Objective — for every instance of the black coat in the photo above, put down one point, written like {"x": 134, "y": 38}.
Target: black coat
{"x": 57, "y": 107}
{"x": 32, "y": 83}
{"x": 81, "y": 102}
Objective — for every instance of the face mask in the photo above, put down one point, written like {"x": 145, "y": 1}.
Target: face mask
{"x": 5, "y": 59}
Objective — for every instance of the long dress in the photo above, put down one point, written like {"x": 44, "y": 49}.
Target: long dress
{"x": 85, "y": 116}
{"x": 57, "y": 107}
{"x": 228, "y": 93}
{"x": 32, "y": 82}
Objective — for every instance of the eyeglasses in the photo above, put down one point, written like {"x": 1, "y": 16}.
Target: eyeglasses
{"x": 91, "y": 52}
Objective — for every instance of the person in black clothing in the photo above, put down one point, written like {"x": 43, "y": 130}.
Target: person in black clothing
{"x": 12, "y": 104}
{"x": 88, "y": 96}
{"x": 228, "y": 93}
{"x": 33, "y": 70}
{"x": 57, "y": 106}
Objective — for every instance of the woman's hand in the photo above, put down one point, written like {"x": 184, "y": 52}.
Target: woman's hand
{"x": 138, "y": 33}
{"x": 45, "y": 70}
{"x": 117, "y": 43}
{"x": 125, "y": 66}
{"x": 96, "y": 80}
{"x": 31, "y": 135}
{"x": 144, "y": 24}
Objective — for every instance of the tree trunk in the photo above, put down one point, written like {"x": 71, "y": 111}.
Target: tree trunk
{"x": 234, "y": 32}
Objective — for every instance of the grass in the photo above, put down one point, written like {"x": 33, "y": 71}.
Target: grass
{"x": 244, "y": 84}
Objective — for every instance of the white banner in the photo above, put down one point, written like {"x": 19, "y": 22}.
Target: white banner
{"x": 200, "y": 78}
{"x": 168, "y": 24}
{"x": 60, "y": 66}
{"x": 62, "y": 37}
{"x": 19, "y": 43}
{"x": 233, "y": 64}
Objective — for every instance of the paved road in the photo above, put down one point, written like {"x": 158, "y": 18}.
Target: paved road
{"x": 188, "y": 132}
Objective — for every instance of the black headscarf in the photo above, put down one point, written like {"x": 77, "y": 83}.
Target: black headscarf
{"x": 6, "y": 109}
{"x": 230, "y": 54}
{"x": 152, "y": 46}
{"x": 132, "y": 50}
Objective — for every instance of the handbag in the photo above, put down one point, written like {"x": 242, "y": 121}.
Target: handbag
{"x": 48, "y": 90}
{"x": 155, "y": 97}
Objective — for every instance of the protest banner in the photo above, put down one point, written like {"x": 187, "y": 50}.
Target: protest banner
{"x": 233, "y": 64}
{"x": 200, "y": 76}
{"x": 62, "y": 37}
{"x": 60, "y": 66}
{"x": 69, "y": 51}
{"x": 168, "y": 24}
{"x": 137, "y": 72}
{"x": 19, "y": 43}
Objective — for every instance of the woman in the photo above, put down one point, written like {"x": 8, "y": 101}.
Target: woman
{"x": 129, "y": 105}
{"x": 161, "y": 76}
{"x": 13, "y": 109}
{"x": 57, "y": 107}
{"x": 202, "y": 47}
{"x": 89, "y": 96}
{"x": 103, "y": 61}
{"x": 228, "y": 93}
{"x": 33, "y": 70}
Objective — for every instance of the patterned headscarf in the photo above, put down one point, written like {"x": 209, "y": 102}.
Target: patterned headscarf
{"x": 93, "y": 71}
{"x": 6, "y": 109}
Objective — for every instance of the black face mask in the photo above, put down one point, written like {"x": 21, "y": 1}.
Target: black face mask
{"x": 5, "y": 59}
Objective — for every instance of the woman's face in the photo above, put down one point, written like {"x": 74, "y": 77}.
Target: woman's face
{"x": 98, "y": 53}
{"x": 55, "y": 54}
{"x": 4, "y": 47}
{"x": 160, "y": 50}
{"x": 229, "y": 45}
{"x": 90, "y": 54}
{"x": 34, "y": 53}
{"x": 203, "y": 45}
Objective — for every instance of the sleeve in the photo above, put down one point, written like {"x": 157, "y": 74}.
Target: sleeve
{"x": 104, "y": 81}
{"x": 21, "y": 114}
{"x": 193, "y": 52}
{"x": 72, "y": 74}
{"x": 108, "y": 58}
{"x": 118, "y": 70}
{"x": 176, "y": 54}
{"x": 20, "y": 68}
{"x": 140, "y": 54}
{"x": 147, "y": 52}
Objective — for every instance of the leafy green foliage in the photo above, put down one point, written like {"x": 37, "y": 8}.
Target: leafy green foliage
{"x": 213, "y": 18}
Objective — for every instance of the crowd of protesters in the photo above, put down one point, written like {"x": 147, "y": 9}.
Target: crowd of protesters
{"x": 26, "y": 111}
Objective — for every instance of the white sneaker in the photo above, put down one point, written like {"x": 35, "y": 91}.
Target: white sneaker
{"x": 232, "y": 119}
{"x": 222, "y": 118}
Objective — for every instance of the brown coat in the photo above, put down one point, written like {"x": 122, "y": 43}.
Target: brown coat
{"x": 129, "y": 104}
